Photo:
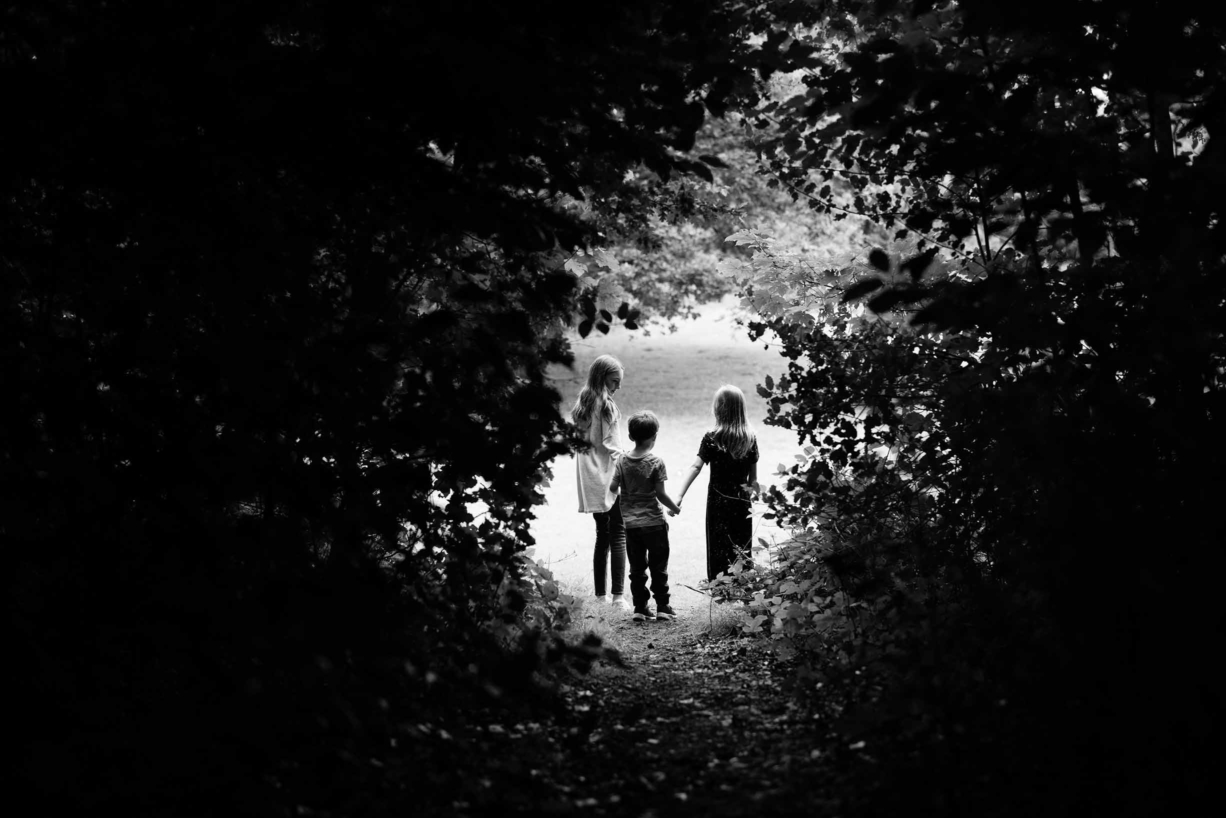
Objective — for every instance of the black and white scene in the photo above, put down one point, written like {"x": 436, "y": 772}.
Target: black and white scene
{"x": 644, "y": 409}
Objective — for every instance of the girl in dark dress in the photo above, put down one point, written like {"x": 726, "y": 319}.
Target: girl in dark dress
{"x": 732, "y": 450}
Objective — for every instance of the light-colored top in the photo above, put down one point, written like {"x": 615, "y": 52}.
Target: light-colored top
{"x": 636, "y": 478}
{"x": 595, "y": 466}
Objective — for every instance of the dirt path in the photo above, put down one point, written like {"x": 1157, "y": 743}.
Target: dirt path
{"x": 689, "y": 724}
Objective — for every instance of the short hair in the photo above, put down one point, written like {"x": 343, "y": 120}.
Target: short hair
{"x": 643, "y": 426}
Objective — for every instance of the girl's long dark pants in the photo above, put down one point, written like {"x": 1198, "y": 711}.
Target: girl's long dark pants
{"x": 610, "y": 550}
{"x": 647, "y": 549}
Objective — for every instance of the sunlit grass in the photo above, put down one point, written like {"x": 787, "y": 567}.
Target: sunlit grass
{"x": 591, "y": 615}
{"x": 719, "y": 619}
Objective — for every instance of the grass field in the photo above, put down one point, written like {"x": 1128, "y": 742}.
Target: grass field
{"x": 674, "y": 375}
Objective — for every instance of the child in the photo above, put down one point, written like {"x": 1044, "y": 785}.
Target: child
{"x": 595, "y": 413}
{"x": 732, "y": 450}
{"x": 639, "y": 476}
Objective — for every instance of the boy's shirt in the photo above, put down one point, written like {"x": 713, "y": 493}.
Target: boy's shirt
{"x": 636, "y": 479}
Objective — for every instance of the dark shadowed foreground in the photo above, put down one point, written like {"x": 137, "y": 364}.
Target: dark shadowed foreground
{"x": 686, "y": 723}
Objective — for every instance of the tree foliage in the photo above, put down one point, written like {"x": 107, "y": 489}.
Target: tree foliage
{"x": 280, "y": 282}
{"x": 1007, "y": 487}
{"x": 664, "y": 246}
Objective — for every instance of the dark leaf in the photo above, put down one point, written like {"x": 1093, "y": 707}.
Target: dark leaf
{"x": 861, "y": 288}
{"x": 585, "y": 328}
{"x": 716, "y": 97}
{"x": 939, "y": 315}
{"x": 918, "y": 265}
{"x": 921, "y": 220}
{"x": 603, "y": 327}
{"x": 879, "y": 259}
{"x": 660, "y": 165}
{"x": 960, "y": 226}
{"x": 880, "y": 46}
{"x": 622, "y": 310}
{"x": 606, "y": 316}
{"x": 896, "y": 297}
{"x": 1026, "y": 234}
{"x": 701, "y": 170}
{"x": 631, "y": 324}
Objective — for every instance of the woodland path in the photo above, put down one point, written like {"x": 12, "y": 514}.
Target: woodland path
{"x": 689, "y": 724}
{"x": 695, "y": 720}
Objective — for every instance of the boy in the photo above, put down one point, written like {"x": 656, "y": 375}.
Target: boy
{"x": 639, "y": 476}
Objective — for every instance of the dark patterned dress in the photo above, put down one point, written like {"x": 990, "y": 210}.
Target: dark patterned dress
{"x": 729, "y": 526}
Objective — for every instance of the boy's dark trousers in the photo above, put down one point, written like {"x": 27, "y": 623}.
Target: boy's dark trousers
{"x": 647, "y": 548}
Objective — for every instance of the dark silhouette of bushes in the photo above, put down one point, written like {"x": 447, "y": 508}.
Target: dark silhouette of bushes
{"x": 1007, "y": 538}
{"x": 280, "y": 282}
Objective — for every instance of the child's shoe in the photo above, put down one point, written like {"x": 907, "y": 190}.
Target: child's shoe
{"x": 642, "y": 612}
{"x": 665, "y": 612}
{"x": 620, "y": 602}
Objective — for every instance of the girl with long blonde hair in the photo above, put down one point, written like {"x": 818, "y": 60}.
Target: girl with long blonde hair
{"x": 596, "y": 414}
{"x": 732, "y": 450}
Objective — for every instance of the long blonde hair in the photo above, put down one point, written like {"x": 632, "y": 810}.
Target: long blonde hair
{"x": 595, "y": 393}
{"x": 732, "y": 431}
